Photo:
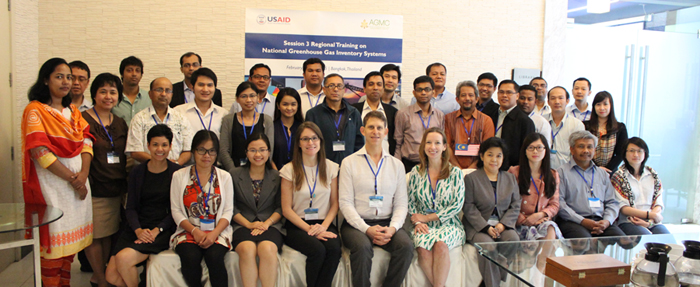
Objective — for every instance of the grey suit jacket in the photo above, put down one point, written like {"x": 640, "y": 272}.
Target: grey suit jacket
{"x": 479, "y": 201}
{"x": 244, "y": 202}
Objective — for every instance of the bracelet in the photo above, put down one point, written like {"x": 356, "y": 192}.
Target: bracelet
{"x": 647, "y": 214}
{"x": 417, "y": 222}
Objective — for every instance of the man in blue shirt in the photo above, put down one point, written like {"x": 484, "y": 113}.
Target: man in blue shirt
{"x": 442, "y": 99}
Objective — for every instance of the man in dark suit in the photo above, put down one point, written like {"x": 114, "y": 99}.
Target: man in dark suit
{"x": 374, "y": 87}
{"x": 182, "y": 91}
{"x": 512, "y": 124}
{"x": 487, "y": 85}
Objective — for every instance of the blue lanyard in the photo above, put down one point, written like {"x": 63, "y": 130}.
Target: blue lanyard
{"x": 430, "y": 185}
{"x": 206, "y": 200}
{"x": 532, "y": 113}
{"x": 167, "y": 118}
{"x": 499, "y": 127}
{"x": 535, "y": 185}
{"x": 585, "y": 114}
{"x": 375, "y": 174}
{"x": 337, "y": 124}
{"x": 103, "y": 126}
{"x": 311, "y": 190}
{"x": 584, "y": 179}
{"x": 288, "y": 138}
{"x": 421, "y": 119}
{"x": 263, "y": 108}
{"x": 202, "y": 121}
{"x": 245, "y": 134}
{"x": 308, "y": 96}
{"x": 469, "y": 133}
{"x": 554, "y": 136}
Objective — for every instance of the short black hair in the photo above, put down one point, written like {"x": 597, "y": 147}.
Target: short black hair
{"x": 260, "y": 65}
{"x": 390, "y": 67}
{"x": 182, "y": 58}
{"x": 538, "y": 78}
{"x": 201, "y": 137}
{"x": 310, "y": 61}
{"x": 488, "y": 76}
{"x": 369, "y": 75}
{"x": 516, "y": 87}
{"x": 130, "y": 61}
{"x": 244, "y": 86}
{"x": 39, "y": 90}
{"x": 80, "y": 65}
{"x": 423, "y": 79}
{"x": 427, "y": 70}
{"x": 160, "y": 130}
{"x": 489, "y": 143}
{"x": 582, "y": 79}
{"x": 560, "y": 87}
{"x": 527, "y": 88}
{"x": 206, "y": 72}
{"x": 106, "y": 79}
{"x": 331, "y": 76}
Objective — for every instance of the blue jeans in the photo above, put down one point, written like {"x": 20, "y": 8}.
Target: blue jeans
{"x": 632, "y": 229}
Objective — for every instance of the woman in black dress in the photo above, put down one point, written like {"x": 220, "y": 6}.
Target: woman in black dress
{"x": 287, "y": 119}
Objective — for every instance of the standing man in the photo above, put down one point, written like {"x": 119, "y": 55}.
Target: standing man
{"x": 542, "y": 108}
{"x": 312, "y": 93}
{"x": 581, "y": 109}
{"x": 160, "y": 113}
{"x": 374, "y": 87}
{"x": 135, "y": 98}
{"x": 81, "y": 80}
{"x": 512, "y": 124}
{"x": 202, "y": 113}
{"x": 339, "y": 121}
{"x": 467, "y": 127}
{"x": 563, "y": 125}
{"x": 587, "y": 203}
{"x": 372, "y": 196}
{"x": 527, "y": 103}
{"x": 183, "y": 92}
{"x": 487, "y": 85}
{"x": 415, "y": 119}
{"x": 442, "y": 99}
{"x": 391, "y": 95}
{"x": 260, "y": 75}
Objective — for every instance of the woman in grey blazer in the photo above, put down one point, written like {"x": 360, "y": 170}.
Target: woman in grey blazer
{"x": 257, "y": 213}
{"x": 491, "y": 205}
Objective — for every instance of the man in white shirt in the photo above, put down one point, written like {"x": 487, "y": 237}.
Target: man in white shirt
{"x": 581, "y": 109}
{"x": 202, "y": 113}
{"x": 373, "y": 199}
{"x": 527, "y": 103}
{"x": 542, "y": 108}
{"x": 391, "y": 95}
{"x": 159, "y": 112}
{"x": 81, "y": 80}
{"x": 563, "y": 125}
{"x": 261, "y": 76}
{"x": 312, "y": 93}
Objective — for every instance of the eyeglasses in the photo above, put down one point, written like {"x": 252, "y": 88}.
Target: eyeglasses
{"x": 633, "y": 151}
{"x": 203, "y": 151}
{"x": 311, "y": 139}
{"x": 193, "y": 65}
{"x": 161, "y": 90}
{"x": 258, "y": 77}
{"x": 427, "y": 90}
{"x": 254, "y": 151}
{"x": 509, "y": 93}
{"x": 536, "y": 148}
{"x": 334, "y": 86}
{"x": 245, "y": 97}
{"x": 482, "y": 85}
{"x": 80, "y": 79}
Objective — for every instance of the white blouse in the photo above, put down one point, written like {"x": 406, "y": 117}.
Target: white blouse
{"x": 322, "y": 193}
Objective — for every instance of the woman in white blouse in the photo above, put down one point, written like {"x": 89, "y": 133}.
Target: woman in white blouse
{"x": 639, "y": 192}
{"x": 310, "y": 203}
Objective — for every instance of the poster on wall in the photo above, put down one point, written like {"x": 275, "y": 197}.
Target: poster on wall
{"x": 349, "y": 44}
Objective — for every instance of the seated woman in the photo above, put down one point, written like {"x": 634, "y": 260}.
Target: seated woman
{"x": 201, "y": 199}
{"x": 435, "y": 197}
{"x": 257, "y": 208}
{"x": 639, "y": 192}
{"x": 147, "y": 211}
{"x": 491, "y": 205}
{"x": 287, "y": 119}
{"x": 612, "y": 135}
{"x": 310, "y": 204}
{"x": 539, "y": 189}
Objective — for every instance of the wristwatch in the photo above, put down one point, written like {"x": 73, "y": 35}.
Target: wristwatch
{"x": 160, "y": 229}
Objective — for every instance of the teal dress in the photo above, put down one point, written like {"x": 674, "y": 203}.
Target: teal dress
{"x": 449, "y": 198}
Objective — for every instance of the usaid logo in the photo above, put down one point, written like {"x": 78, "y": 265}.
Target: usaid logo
{"x": 262, "y": 19}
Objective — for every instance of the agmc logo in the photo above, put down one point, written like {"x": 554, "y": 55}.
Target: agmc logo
{"x": 375, "y": 24}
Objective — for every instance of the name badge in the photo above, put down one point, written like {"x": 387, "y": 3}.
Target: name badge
{"x": 493, "y": 220}
{"x": 207, "y": 224}
{"x": 244, "y": 161}
{"x": 112, "y": 157}
{"x": 466, "y": 149}
{"x": 311, "y": 213}
{"x": 339, "y": 146}
{"x": 376, "y": 201}
{"x": 430, "y": 210}
{"x": 553, "y": 151}
{"x": 594, "y": 202}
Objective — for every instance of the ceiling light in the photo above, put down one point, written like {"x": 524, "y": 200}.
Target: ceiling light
{"x": 598, "y": 6}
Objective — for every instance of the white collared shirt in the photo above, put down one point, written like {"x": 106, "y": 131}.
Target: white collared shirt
{"x": 542, "y": 126}
{"x": 501, "y": 118}
{"x": 143, "y": 121}
{"x": 266, "y": 106}
{"x": 210, "y": 120}
{"x": 396, "y": 101}
{"x": 356, "y": 185}
{"x": 309, "y": 100}
{"x": 579, "y": 114}
{"x": 560, "y": 138}
{"x": 86, "y": 104}
{"x": 544, "y": 111}
{"x": 643, "y": 191}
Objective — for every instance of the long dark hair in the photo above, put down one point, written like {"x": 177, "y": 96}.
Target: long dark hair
{"x": 298, "y": 160}
{"x": 545, "y": 168}
{"x": 298, "y": 117}
{"x": 252, "y": 138}
{"x": 40, "y": 90}
{"x": 612, "y": 124}
{"x": 641, "y": 144}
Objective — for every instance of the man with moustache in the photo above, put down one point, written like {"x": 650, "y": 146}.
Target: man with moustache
{"x": 467, "y": 127}
{"x": 542, "y": 108}
{"x": 527, "y": 102}
{"x": 374, "y": 87}
{"x": 135, "y": 100}
{"x": 391, "y": 95}
{"x": 512, "y": 124}
{"x": 261, "y": 76}
{"x": 202, "y": 113}
{"x": 563, "y": 125}
{"x": 312, "y": 93}
{"x": 442, "y": 99}
{"x": 81, "y": 80}
{"x": 183, "y": 91}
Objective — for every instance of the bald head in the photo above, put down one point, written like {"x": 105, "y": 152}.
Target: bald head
{"x": 161, "y": 92}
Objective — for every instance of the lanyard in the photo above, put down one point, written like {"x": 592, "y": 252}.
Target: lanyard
{"x": 421, "y": 120}
{"x": 584, "y": 179}
{"x": 263, "y": 108}
{"x": 535, "y": 185}
{"x": 311, "y": 190}
{"x": 532, "y": 113}
{"x": 554, "y": 136}
{"x": 308, "y": 96}
{"x": 167, "y": 118}
{"x": 375, "y": 174}
{"x": 585, "y": 114}
{"x": 206, "y": 200}
{"x": 337, "y": 124}
{"x": 245, "y": 134}
{"x": 288, "y": 138}
{"x": 103, "y": 126}
{"x": 469, "y": 133}
{"x": 499, "y": 127}
{"x": 210, "y": 118}
{"x": 430, "y": 185}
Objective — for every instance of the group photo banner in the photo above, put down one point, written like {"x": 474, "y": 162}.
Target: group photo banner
{"x": 349, "y": 44}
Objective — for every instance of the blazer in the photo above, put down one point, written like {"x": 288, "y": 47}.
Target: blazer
{"x": 270, "y": 197}
{"x": 133, "y": 199}
{"x": 516, "y": 126}
{"x": 390, "y": 112}
{"x": 179, "y": 95}
{"x": 227, "y": 143}
{"x": 550, "y": 206}
{"x": 479, "y": 201}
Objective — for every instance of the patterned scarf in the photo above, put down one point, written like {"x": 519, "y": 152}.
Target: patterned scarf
{"x": 622, "y": 185}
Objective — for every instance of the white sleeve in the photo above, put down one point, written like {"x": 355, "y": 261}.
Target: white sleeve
{"x": 346, "y": 197}
{"x": 176, "y": 188}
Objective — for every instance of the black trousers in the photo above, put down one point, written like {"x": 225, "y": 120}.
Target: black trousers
{"x": 408, "y": 164}
{"x": 322, "y": 257}
{"x": 191, "y": 260}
